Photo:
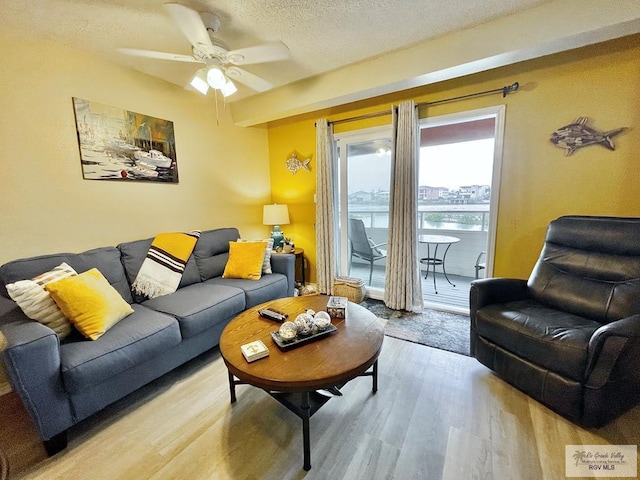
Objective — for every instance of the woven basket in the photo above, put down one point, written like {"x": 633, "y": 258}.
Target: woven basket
{"x": 350, "y": 287}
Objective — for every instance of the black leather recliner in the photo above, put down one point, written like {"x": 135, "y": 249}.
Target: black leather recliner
{"x": 569, "y": 336}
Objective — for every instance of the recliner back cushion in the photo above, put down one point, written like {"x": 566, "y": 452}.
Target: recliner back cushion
{"x": 212, "y": 251}
{"x": 590, "y": 266}
{"x": 105, "y": 259}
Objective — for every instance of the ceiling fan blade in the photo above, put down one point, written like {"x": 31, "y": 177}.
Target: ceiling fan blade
{"x": 191, "y": 25}
{"x": 158, "y": 55}
{"x": 249, "y": 79}
{"x": 267, "y": 52}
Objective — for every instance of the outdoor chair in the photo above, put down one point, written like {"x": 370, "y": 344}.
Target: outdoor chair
{"x": 362, "y": 246}
{"x": 480, "y": 263}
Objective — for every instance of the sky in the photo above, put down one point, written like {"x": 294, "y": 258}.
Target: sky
{"x": 451, "y": 165}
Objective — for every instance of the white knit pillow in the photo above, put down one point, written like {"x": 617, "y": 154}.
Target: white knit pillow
{"x": 36, "y": 303}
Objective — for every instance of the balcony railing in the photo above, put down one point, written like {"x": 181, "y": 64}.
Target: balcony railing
{"x": 469, "y": 223}
{"x": 439, "y": 217}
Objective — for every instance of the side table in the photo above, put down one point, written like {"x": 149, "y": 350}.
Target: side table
{"x": 299, "y": 253}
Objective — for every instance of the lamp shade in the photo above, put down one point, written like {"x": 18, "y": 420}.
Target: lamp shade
{"x": 215, "y": 78}
{"x": 199, "y": 82}
{"x": 275, "y": 215}
{"x": 228, "y": 89}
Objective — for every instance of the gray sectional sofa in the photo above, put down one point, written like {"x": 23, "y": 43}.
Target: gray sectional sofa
{"x": 64, "y": 382}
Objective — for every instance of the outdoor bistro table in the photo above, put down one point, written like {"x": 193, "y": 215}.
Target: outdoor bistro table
{"x": 432, "y": 260}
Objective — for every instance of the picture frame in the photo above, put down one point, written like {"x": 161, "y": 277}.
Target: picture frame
{"x": 120, "y": 145}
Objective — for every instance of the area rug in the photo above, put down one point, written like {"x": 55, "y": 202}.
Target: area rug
{"x": 443, "y": 330}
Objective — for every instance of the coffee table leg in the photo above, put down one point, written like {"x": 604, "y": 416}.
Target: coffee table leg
{"x": 306, "y": 414}
{"x": 232, "y": 387}
{"x": 375, "y": 377}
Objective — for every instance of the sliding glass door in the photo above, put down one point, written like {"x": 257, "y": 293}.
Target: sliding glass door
{"x": 364, "y": 159}
{"x": 459, "y": 177}
{"x": 459, "y": 173}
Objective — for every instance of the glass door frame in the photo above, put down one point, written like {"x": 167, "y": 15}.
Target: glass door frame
{"x": 342, "y": 142}
{"x": 497, "y": 112}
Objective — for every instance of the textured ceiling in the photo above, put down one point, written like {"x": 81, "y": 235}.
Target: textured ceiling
{"x": 321, "y": 36}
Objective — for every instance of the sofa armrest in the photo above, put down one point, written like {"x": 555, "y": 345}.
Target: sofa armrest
{"x": 614, "y": 353}
{"x": 32, "y": 361}
{"x": 284, "y": 263}
{"x": 488, "y": 291}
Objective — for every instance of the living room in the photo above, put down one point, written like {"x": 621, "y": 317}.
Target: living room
{"x": 228, "y": 172}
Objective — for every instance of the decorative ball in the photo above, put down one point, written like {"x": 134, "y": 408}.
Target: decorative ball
{"x": 288, "y": 331}
{"x": 305, "y": 324}
{"x": 322, "y": 320}
{"x": 310, "y": 312}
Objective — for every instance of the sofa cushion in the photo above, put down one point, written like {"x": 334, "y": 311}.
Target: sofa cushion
{"x": 200, "y": 306}
{"x": 105, "y": 259}
{"x": 89, "y": 302}
{"x": 141, "y": 336}
{"x": 212, "y": 251}
{"x": 269, "y": 287}
{"x": 134, "y": 253}
{"x": 553, "y": 339}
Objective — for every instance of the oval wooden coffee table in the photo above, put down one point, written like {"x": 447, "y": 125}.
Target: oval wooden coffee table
{"x": 294, "y": 376}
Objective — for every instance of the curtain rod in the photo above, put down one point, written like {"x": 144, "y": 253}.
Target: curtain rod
{"x": 504, "y": 90}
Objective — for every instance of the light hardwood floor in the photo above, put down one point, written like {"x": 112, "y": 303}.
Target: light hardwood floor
{"x": 437, "y": 415}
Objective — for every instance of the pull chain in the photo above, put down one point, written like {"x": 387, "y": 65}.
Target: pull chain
{"x": 215, "y": 92}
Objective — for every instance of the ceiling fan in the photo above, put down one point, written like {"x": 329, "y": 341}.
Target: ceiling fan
{"x": 220, "y": 62}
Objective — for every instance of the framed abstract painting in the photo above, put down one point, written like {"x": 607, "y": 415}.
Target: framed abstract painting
{"x": 120, "y": 145}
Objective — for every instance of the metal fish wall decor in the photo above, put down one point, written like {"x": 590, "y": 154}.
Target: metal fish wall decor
{"x": 293, "y": 164}
{"x": 578, "y": 134}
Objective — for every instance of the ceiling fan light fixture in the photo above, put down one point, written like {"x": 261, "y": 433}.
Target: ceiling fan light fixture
{"x": 199, "y": 82}
{"x": 228, "y": 89}
{"x": 216, "y": 78}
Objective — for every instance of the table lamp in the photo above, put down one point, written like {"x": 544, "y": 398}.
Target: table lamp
{"x": 276, "y": 215}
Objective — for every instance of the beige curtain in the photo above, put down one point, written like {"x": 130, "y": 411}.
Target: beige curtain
{"x": 326, "y": 199}
{"x": 403, "y": 289}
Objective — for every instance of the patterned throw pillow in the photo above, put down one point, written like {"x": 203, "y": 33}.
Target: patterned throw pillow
{"x": 266, "y": 263}
{"x": 36, "y": 303}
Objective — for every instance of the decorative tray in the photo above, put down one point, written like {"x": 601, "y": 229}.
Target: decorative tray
{"x": 296, "y": 342}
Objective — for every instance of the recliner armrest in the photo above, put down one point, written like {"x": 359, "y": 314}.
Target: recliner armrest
{"x": 614, "y": 344}
{"x": 488, "y": 291}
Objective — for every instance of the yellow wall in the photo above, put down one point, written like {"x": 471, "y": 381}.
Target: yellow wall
{"x": 48, "y": 207}
{"x": 539, "y": 183}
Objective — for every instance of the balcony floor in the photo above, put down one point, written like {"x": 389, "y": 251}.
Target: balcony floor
{"x": 451, "y": 298}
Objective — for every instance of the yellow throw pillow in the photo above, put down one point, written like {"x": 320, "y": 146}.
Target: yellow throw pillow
{"x": 266, "y": 262}
{"x": 245, "y": 260}
{"x": 90, "y": 303}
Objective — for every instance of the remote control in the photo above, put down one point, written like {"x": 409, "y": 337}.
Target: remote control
{"x": 272, "y": 314}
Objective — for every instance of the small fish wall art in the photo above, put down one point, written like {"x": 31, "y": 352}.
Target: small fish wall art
{"x": 294, "y": 164}
{"x": 578, "y": 134}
